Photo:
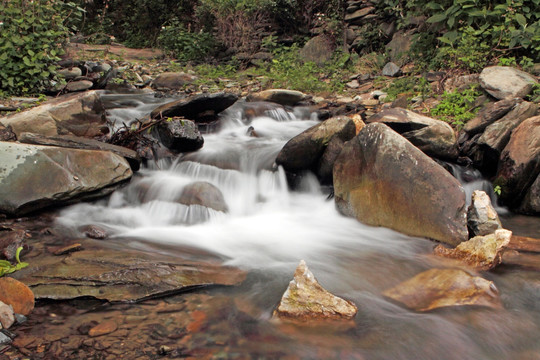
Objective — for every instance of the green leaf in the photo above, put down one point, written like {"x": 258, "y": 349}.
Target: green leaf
{"x": 521, "y": 19}
{"x": 436, "y": 18}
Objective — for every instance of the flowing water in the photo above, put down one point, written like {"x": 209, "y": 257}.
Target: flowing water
{"x": 269, "y": 229}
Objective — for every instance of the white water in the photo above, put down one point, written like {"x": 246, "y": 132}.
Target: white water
{"x": 269, "y": 229}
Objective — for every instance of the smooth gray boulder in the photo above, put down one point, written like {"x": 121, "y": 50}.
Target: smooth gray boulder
{"x": 382, "y": 179}
{"x": 180, "y": 135}
{"x": 502, "y": 82}
{"x": 204, "y": 194}
{"x": 434, "y": 137}
{"x": 279, "y": 96}
{"x": 172, "y": 80}
{"x": 391, "y": 69}
{"x": 33, "y": 177}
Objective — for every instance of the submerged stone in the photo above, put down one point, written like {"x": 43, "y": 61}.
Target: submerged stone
{"x": 438, "y": 288}
{"x": 305, "y": 299}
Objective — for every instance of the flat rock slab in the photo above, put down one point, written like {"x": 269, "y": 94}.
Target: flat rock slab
{"x": 279, "y": 96}
{"x": 120, "y": 274}
{"x": 196, "y": 107}
{"x": 503, "y": 82}
{"x": 437, "y": 288}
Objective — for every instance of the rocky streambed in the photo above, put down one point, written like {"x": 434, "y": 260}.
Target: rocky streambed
{"x": 192, "y": 250}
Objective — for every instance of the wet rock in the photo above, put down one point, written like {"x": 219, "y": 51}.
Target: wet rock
{"x": 106, "y": 327}
{"x": 77, "y": 114}
{"x": 20, "y": 318}
{"x": 94, "y": 232}
{"x": 10, "y": 241}
{"x": 7, "y": 317}
{"x": 304, "y": 151}
{"x": 180, "y": 135}
{"x": 4, "y": 339}
{"x": 70, "y": 73}
{"x": 489, "y": 114}
{"x": 531, "y": 201}
{"x": 279, "y": 96}
{"x": 202, "y": 107}
{"x": 391, "y": 69}
{"x": 522, "y": 259}
{"x": 71, "y": 175}
{"x": 16, "y": 294}
{"x": 502, "y": 82}
{"x": 524, "y": 243}
{"x": 318, "y": 49}
{"x": 437, "y": 288}
{"x": 482, "y": 219}
{"x": 68, "y": 249}
{"x": 519, "y": 164}
{"x": 204, "y": 194}
{"x": 77, "y": 142}
{"x": 434, "y": 137}
{"x": 80, "y": 85}
{"x": 120, "y": 274}
{"x": 381, "y": 179}
{"x": 305, "y": 299}
{"x": 480, "y": 252}
{"x": 173, "y": 80}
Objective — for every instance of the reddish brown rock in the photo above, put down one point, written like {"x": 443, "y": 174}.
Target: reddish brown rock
{"x": 481, "y": 252}
{"x": 437, "y": 288}
{"x": 305, "y": 299}
{"x": 106, "y": 327}
{"x": 16, "y": 294}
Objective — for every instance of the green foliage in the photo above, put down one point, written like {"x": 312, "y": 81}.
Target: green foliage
{"x": 7, "y": 268}
{"x": 185, "y": 45}
{"x": 411, "y": 86}
{"x": 457, "y": 107}
{"x": 31, "y": 38}
{"x": 497, "y": 190}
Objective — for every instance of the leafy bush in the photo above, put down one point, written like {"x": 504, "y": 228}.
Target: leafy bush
{"x": 31, "y": 38}
{"x": 457, "y": 107}
{"x": 185, "y": 45}
{"x": 410, "y": 86}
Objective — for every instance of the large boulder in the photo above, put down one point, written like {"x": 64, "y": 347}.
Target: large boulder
{"x": 519, "y": 164}
{"x": 33, "y": 177}
{"x": 531, "y": 201}
{"x": 438, "y": 288}
{"x": 279, "y": 96}
{"x": 172, "y": 80}
{"x": 318, "y": 49}
{"x": 502, "y": 82}
{"x": 305, "y": 299}
{"x": 434, "y": 137}
{"x": 79, "y": 114}
{"x": 381, "y": 179}
{"x": 180, "y": 135}
{"x": 317, "y": 148}
{"x": 16, "y": 294}
{"x": 201, "y": 107}
{"x": 204, "y": 194}
{"x": 489, "y": 114}
{"x": 482, "y": 219}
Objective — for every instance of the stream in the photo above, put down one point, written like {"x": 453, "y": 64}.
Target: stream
{"x": 268, "y": 229}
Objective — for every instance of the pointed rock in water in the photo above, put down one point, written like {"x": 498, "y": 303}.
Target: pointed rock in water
{"x": 16, "y": 294}
{"x": 481, "y": 252}
{"x": 437, "y": 288}
{"x": 482, "y": 219}
{"x": 305, "y": 299}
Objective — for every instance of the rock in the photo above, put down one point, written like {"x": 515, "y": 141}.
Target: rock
{"x": 173, "y": 80}
{"x": 398, "y": 47}
{"x": 480, "y": 252}
{"x": 502, "y": 82}
{"x": 10, "y": 241}
{"x": 531, "y": 201}
{"x": 70, "y": 73}
{"x": 381, "y": 179}
{"x": 358, "y": 122}
{"x": 180, "y": 135}
{"x": 354, "y": 84}
{"x": 70, "y": 175}
{"x": 77, "y": 142}
{"x": 121, "y": 274}
{"x": 523, "y": 243}
{"x": 204, "y": 194}
{"x": 6, "y": 134}
{"x": 489, "y": 114}
{"x": 7, "y": 317}
{"x": 482, "y": 219}
{"x": 304, "y": 151}
{"x": 196, "y": 107}
{"x": 519, "y": 163}
{"x": 523, "y": 259}
{"x": 67, "y": 249}
{"x": 434, "y": 137}
{"x": 318, "y": 50}
{"x": 391, "y": 69}
{"x": 460, "y": 82}
{"x": 437, "y": 288}
{"x": 497, "y": 135}
{"x": 94, "y": 232}
{"x": 77, "y": 114}
{"x": 279, "y": 96}
{"x": 106, "y": 327}
{"x": 305, "y": 299}
{"x": 16, "y": 294}
{"x": 80, "y": 85}
{"x": 358, "y": 14}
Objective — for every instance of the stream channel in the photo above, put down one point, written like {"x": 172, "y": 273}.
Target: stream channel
{"x": 267, "y": 230}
